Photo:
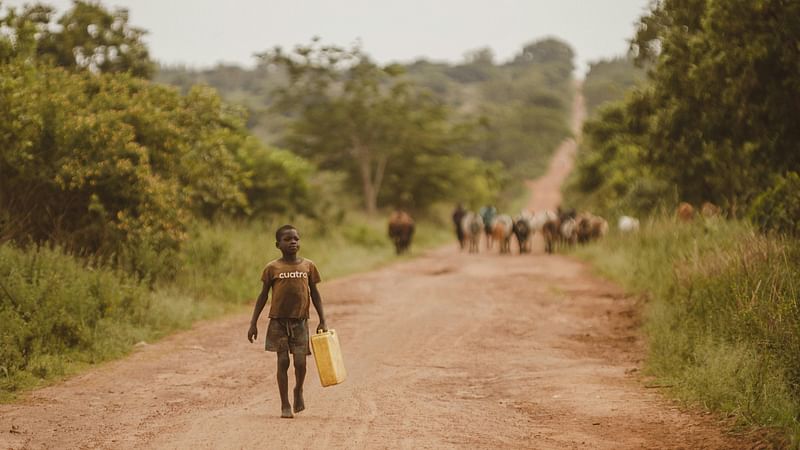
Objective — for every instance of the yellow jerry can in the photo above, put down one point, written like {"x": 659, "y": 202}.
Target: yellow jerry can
{"x": 328, "y": 356}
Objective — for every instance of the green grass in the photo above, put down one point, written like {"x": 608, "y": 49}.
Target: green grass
{"x": 722, "y": 315}
{"x": 61, "y": 314}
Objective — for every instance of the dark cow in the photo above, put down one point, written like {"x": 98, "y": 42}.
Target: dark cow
{"x": 551, "y": 231}
{"x": 523, "y": 230}
{"x": 401, "y": 229}
{"x": 554, "y": 230}
{"x": 458, "y": 216}
{"x": 584, "y": 227}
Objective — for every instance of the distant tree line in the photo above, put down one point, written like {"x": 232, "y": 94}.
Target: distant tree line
{"x": 512, "y": 114}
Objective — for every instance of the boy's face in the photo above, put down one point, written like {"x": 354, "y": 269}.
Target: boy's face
{"x": 289, "y": 244}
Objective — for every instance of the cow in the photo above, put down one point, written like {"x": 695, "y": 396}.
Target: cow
{"x": 559, "y": 229}
{"x": 628, "y": 224}
{"x": 551, "y": 232}
{"x": 472, "y": 227}
{"x": 685, "y": 212}
{"x": 599, "y": 227}
{"x": 583, "y": 228}
{"x": 569, "y": 231}
{"x": 502, "y": 228}
{"x": 540, "y": 218}
{"x": 458, "y": 216}
{"x": 401, "y": 229}
{"x": 590, "y": 227}
{"x": 523, "y": 230}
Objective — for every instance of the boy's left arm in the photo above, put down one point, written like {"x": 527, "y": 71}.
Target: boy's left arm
{"x": 316, "y": 299}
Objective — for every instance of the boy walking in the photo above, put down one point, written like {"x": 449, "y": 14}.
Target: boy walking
{"x": 293, "y": 281}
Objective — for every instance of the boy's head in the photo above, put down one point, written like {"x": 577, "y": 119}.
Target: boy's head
{"x": 287, "y": 239}
{"x": 283, "y": 229}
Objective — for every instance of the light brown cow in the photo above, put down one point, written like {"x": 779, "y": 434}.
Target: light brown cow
{"x": 502, "y": 228}
{"x": 472, "y": 227}
{"x": 685, "y": 212}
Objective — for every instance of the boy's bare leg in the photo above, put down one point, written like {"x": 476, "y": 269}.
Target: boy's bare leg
{"x": 299, "y": 377}
{"x": 283, "y": 384}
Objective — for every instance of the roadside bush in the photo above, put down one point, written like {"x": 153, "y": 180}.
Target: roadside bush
{"x": 778, "y": 209}
{"x": 54, "y": 307}
{"x": 277, "y": 181}
{"x": 109, "y": 163}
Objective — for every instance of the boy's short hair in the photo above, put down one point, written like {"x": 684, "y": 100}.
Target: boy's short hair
{"x": 282, "y": 229}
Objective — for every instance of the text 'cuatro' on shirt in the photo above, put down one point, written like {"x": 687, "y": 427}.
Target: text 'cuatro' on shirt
{"x": 291, "y": 292}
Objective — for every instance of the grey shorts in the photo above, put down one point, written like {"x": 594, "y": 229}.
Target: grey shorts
{"x": 288, "y": 335}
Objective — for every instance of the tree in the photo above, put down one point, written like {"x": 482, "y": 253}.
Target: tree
{"x": 609, "y": 80}
{"x": 87, "y": 37}
{"x": 725, "y": 83}
{"x": 21, "y": 31}
{"x": 481, "y": 56}
{"x": 111, "y": 164}
{"x": 550, "y": 52}
{"x": 353, "y": 115}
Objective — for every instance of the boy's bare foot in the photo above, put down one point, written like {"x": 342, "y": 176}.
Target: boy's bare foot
{"x": 286, "y": 412}
{"x": 299, "y": 403}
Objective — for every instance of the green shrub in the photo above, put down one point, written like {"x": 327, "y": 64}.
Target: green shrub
{"x": 107, "y": 164}
{"x": 53, "y": 306}
{"x": 278, "y": 181}
{"x": 778, "y": 209}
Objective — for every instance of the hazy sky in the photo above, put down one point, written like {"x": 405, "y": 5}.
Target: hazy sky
{"x": 201, "y": 33}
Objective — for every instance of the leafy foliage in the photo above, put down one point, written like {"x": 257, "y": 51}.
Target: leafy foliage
{"x": 87, "y": 37}
{"x": 514, "y": 113}
{"x": 106, "y": 160}
{"x": 51, "y": 305}
{"x": 722, "y": 95}
{"x": 611, "y": 177}
{"x": 716, "y": 121}
{"x": 518, "y": 110}
{"x": 114, "y": 165}
{"x": 778, "y": 208}
{"x": 609, "y": 80}
{"x": 277, "y": 181}
{"x": 362, "y": 119}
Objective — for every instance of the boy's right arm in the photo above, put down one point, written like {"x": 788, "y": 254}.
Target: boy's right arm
{"x": 252, "y": 333}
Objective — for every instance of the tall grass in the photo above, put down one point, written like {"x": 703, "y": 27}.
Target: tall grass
{"x": 59, "y": 313}
{"x": 722, "y": 316}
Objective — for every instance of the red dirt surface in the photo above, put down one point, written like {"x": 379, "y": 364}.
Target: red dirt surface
{"x": 448, "y": 350}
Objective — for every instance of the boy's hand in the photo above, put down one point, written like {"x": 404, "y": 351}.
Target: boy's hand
{"x": 252, "y": 333}
{"x": 322, "y": 327}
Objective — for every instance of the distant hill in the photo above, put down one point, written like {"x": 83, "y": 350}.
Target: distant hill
{"x": 518, "y": 110}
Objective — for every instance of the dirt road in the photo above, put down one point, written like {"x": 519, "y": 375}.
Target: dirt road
{"x": 447, "y": 350}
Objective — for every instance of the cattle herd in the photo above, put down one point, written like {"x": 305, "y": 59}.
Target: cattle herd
{"x": 559, "y": 229}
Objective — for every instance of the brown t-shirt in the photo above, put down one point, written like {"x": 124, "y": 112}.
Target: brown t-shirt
{"x": 291, "y": 294}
